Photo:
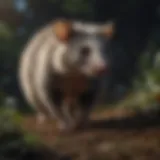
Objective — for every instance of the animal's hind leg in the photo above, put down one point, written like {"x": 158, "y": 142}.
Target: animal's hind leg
{"x": 28, "y": 90}
{"x": 41, "y": 115}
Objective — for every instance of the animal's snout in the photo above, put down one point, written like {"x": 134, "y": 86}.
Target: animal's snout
{"x": 101, "y": 69}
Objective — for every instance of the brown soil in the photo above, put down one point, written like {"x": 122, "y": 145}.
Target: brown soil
{"x": 111, "y": 135}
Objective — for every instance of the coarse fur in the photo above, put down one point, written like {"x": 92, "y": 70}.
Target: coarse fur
{"x": 56, "y": 78}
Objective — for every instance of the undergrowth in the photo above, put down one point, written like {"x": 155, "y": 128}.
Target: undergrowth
{"x": 17, "y": 144}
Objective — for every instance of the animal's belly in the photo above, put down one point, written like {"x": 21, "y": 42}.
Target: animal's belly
{"x": 74, "y": 85}
{"x": 71, "y": 86}
{"x": 70, "y": 89}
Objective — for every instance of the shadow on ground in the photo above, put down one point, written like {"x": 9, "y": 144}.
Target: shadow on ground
{"x": 140, "y": 120}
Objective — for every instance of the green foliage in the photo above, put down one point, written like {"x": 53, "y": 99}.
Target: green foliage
{"x": 150, "y": 75}
{"x": 5, "y": 31}
{"x": 31, "y": 139}
{"x": 7, "y": 116}
{"x": 12, "y": 144}
{"x": 6, "y": 37}
{"x": 77, "y": 7}
{"x": 15, "y": 144}
{"x": 1, "y": 98}
{"x": 146, "y": 85}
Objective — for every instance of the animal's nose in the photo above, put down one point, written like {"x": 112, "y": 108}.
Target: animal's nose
{"x": 102, "y": 69}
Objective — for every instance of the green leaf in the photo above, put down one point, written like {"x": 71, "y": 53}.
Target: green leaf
{"x": 5, "y": 31}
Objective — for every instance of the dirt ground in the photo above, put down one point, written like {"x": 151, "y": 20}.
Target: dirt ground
{"x": 111, "y": 135}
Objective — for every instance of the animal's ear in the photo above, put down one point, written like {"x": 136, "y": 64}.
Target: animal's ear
{"x": 108, "y": 29}
{"x": 63, "y": 29}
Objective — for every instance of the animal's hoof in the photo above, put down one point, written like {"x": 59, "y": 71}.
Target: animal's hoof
{"x": 75, "y": 127}
{"x": 40, "y": 119}
{"x": 61, "y": 126}
{"x": 66, "y": 131}
{"x": 66, "y": 128}
{"x": 82, "y": 123}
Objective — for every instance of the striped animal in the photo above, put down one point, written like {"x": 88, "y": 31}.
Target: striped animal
{"x": 59, "y": 68}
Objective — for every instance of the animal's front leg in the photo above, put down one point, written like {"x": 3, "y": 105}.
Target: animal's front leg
{"x": 81, "y": 116}
{"x": 68, "y": 107}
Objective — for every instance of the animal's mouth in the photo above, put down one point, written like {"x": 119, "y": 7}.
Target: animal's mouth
{"x": 100, "y": 70}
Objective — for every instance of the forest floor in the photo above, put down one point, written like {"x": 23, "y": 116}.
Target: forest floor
{"x": 113, "y": 134}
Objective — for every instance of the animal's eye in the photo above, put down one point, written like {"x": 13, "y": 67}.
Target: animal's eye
{"x": 85, "y": 51}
